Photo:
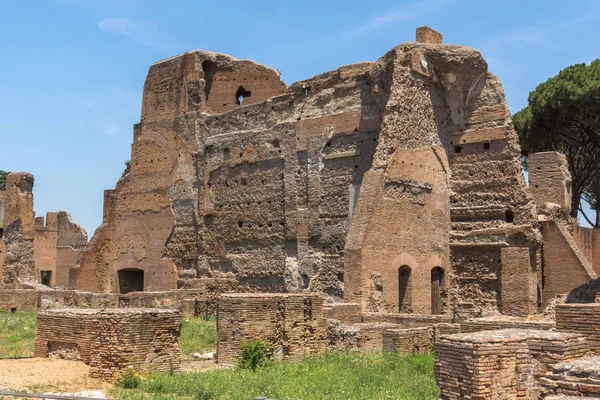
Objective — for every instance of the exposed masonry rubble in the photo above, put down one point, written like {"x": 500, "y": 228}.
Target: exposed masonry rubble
{"x": 34, "y": 254}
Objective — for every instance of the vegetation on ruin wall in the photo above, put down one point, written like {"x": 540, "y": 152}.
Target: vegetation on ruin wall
{"x": 16, "y": 334}
{"x": 332, "y": 376}
{"x": 3, "y": 175}
{"x": 563, "y": 115}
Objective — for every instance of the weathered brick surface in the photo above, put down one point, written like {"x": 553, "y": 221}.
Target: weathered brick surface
{"x": 577, "y": 378}
{"x": 294, "y": 324}
{"x": 580, "y": 318}
{"x": 501, "y": 364}
{"x": 111, "y": 341}
{"x": 408, "y": 341}
{"x": 503, "y": 322}
{"x": 19, "y": 300}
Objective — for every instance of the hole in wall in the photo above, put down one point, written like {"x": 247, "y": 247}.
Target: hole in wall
{"x": 509, "y": 216}
{"x": 242, "y": 94}
{"x": 486, "y": 146}
{"x": 457, "y": 149}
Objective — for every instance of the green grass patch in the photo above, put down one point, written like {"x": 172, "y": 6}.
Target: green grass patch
{"x": 17, "y": 334}
{"x": 331, "y": 376}
{"x": 198, "y": 336}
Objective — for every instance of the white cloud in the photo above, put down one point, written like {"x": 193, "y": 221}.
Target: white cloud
{"x": 408, "y": 12}
{"x": 112, "y": 129}
{"x": 133, "y": 30}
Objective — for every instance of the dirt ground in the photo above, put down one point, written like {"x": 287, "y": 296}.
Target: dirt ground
{"x": 47, "y": 375}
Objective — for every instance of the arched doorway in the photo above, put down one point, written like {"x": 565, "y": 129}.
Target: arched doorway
{"x": 437, "y": 283}
{"x": 131, "y": 280}
{"x": 404, "y": 289}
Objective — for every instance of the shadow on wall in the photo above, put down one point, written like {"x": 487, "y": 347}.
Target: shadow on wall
{"x": 585, "y": 293}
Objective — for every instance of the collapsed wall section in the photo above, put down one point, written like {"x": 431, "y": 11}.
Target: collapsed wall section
{"x": 111, "y": 341}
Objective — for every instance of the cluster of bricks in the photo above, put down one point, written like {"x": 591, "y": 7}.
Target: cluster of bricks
{"x": 112, "y": 341}
{"x": 294, "y": 324}
{"x": 502, "y": 364}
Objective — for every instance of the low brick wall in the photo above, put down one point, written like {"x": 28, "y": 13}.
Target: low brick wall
{"x": 294, "y": 324}
{"x": 111, "y": 341}
{"x": 503, "y": 322}
{"x": 583, "y": 318}
{"x": 346, "y": 313}
{"x": 19, "y": 300}
{"x": 408, "y": 341}
{"x": 406, "y": 320}
{"x": 501, "y": 364}
{"x": 182, "y": 299}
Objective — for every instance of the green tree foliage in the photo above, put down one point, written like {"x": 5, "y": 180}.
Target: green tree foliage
{"x": 564, "y": 115}
{"x": 3, "y": 175}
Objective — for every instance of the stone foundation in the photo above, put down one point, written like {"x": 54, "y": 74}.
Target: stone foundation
{"x": 294, "y": 324}
{"x": 111, "y": 341}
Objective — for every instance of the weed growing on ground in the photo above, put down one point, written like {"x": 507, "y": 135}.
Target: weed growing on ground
{"x": 254, "y": 354}
{"x": 17, "y": 334}
{"x": 330, "y": 376}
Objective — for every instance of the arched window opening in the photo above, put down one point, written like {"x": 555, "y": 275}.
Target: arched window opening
{"x": 404, "y": 289}
{"x": 241, "y": 94}
{"x": 437, "y": 285}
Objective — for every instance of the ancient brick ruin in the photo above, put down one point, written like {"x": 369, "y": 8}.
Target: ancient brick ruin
{"x": 377, "y": 207}
{"x": 111, "y": 341}
{"x": 34, "y": 253}
{"x": 394, "y": 184}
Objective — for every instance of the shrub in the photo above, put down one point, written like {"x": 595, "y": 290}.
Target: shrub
{"x": 130, "y": 379}
{"x": 254, "y": 354}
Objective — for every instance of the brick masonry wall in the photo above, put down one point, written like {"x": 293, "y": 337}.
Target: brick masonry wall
{"x": 294, "y": 324}
{"x": 408, "y": 341}
{"x": 19, "y": 300}
{"x": 111, "y": 341}
{"x": 580, "y": 318}
{"x": 501, "y": 364}
{"x": 578, "y": 378}
{"x": 503, "y": 322}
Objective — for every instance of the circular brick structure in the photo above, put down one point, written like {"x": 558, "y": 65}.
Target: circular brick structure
{"x": 111, "y": 341}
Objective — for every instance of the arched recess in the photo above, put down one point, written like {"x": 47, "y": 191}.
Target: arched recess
{"x": 131, "y": 280}
{"x": 394, "y": 292}
{"x": 437, "y": 286}
{"x": 404, "y": 289}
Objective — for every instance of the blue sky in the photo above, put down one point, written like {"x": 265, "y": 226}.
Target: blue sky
{"x": 72, "y": 71}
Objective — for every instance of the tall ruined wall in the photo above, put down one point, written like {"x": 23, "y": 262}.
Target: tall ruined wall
{"x": 236, "y": 179}
{"x": 18, "y": 270}
{"x": 58, "y": 242}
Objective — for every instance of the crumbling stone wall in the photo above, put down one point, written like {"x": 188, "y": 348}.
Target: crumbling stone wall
{"x": 18, "y": 268}
{"x": 111, "y": 341}
{"x": 57, "y": 245}
{"x": 294, "y": 324}
{"x": 381, "y": 182}
{"x": 550, "y": 179}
